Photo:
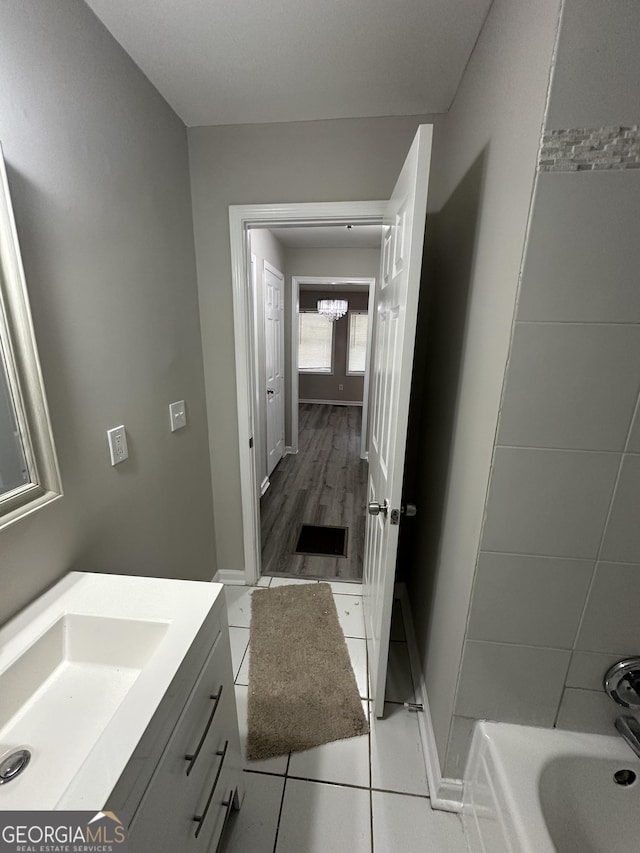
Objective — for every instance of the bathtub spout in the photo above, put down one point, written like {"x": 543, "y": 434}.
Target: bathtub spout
{"x": 629, "y": 728}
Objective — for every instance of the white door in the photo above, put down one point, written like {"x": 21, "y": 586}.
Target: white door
{"x": 274, "y": 346}
{"x": 395, "y": 327}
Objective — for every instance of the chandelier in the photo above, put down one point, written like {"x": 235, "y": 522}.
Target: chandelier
{"x": 333, "y": 309}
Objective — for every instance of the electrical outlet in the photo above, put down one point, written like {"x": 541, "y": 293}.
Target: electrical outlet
{"x": 341, "y": 387}
{"x": 178, "y": 415}
{"x": 117, "y": 440}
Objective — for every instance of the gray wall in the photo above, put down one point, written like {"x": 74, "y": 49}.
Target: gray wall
{"x": 98, "y": 170}
{"x": 266, "y": 247}
{"x": 341, "y": 160}
{"x": 485, "y": 166}
{"x": 318, "y": 386}
{"x": 341, "y": 263}
{"x": 556, "y": 593}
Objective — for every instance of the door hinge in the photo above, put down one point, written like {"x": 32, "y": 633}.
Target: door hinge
{"x": 414, "y": 706}
{"x": 250, "y": 442}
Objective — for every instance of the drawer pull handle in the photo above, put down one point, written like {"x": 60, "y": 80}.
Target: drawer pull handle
{"x": 228, "y": 805}
{"x": 199, "y": 819}
{"x": 192, "y": 757}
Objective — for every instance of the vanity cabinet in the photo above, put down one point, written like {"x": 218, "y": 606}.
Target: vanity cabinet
{"x": 184, "y": 776}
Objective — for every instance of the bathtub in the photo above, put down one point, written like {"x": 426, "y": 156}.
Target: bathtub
{"x": 529, "y": 790}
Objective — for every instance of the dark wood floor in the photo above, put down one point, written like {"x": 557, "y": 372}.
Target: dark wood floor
{"x": 324, "y": 483}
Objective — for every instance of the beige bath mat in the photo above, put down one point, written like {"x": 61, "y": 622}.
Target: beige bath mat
{"x": 302, "y": 690}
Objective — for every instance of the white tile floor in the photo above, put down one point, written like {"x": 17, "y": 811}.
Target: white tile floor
{"x": 361, "y": 795}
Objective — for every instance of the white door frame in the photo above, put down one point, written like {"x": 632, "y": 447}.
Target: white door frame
{"x": 296, "y": 281}
{"x": 241, "y": 219}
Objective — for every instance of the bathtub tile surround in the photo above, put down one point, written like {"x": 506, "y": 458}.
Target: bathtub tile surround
{"x": 358, "y": 795}
{"x": 557, "y": 583}
{"x": 587, "y": 669}
{"x": 588, "y": 711}
{"x": 611, "y": 621}
{"x": 634, "y": 437}
{"x": 537, "y": 503}
{"x": 511, "y": 682}
{"x": 533, "y": 601}
{"x": 583, "y": 254}
{"x": 584, "y": 148}
{"x": 587, "y": 375}
{"x": 622, "y": 537}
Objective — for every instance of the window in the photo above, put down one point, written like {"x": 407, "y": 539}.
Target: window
{"x": 357, "y": 352}
{"x": 315, "y": 343}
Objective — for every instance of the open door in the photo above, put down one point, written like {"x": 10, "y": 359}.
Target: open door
{"x": 394, "y": 338}
{"x": 274, "y": 361}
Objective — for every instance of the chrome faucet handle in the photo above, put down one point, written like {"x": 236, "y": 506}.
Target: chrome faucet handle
{"x": 629, "y": 728}
{"x": 622, "y": 683}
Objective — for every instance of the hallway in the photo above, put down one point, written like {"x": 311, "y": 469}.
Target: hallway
{"x": 324, "y": 483}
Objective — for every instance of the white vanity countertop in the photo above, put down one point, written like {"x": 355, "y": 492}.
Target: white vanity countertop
{"x": 176, "y": 610}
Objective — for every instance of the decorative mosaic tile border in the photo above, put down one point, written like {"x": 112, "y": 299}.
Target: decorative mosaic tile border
{"x": 590, "y": 149}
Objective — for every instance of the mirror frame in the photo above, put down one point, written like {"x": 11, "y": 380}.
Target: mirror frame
{"x": 24, "y": 375}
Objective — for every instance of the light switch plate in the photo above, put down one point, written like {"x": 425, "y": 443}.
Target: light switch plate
{"x": 178, "y": 415}
{"x": 117, "y": 440}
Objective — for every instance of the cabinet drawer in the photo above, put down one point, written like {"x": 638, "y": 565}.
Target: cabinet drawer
{"x": 183, "y": 807}
{"x": 127, "y": 794}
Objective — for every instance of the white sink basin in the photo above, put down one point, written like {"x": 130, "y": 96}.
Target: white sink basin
{"x": 77, "y": 673}
{"x": 82, "y": 671}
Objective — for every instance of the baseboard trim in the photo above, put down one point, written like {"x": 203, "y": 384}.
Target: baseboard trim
{"x": 264, "y": 485}
{"x": 445, "y": 794}
{"x": 231, "y": 577}
{"x": 334, "y": 402}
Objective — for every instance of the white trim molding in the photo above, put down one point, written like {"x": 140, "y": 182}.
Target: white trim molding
{"x": 241, "y": 219}
{"x": 229, "y": 577}
{"x": 20, "y": 363}
{"x": 334, "y": 402}
{"x": 445, "y": 794}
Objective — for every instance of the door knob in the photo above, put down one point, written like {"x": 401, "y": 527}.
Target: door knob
{"x": 376, "y": 508}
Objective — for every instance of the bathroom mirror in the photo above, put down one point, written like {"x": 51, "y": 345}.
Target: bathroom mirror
{"x": 29, "y": 475}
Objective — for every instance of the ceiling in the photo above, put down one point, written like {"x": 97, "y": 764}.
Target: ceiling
{"x": 329, "y": 236}
{"x": 245, "y": 61}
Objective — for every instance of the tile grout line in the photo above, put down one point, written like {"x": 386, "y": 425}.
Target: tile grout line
{"x": 263, "y": 772}
{"x": 235, "y": 682}
{"x": 598, "y": 560}
{"x": 329, "y": 782}
{"x": 598, "y": 556}
{"x": 284, "y": 788}
{"x": 402, "y": 793}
